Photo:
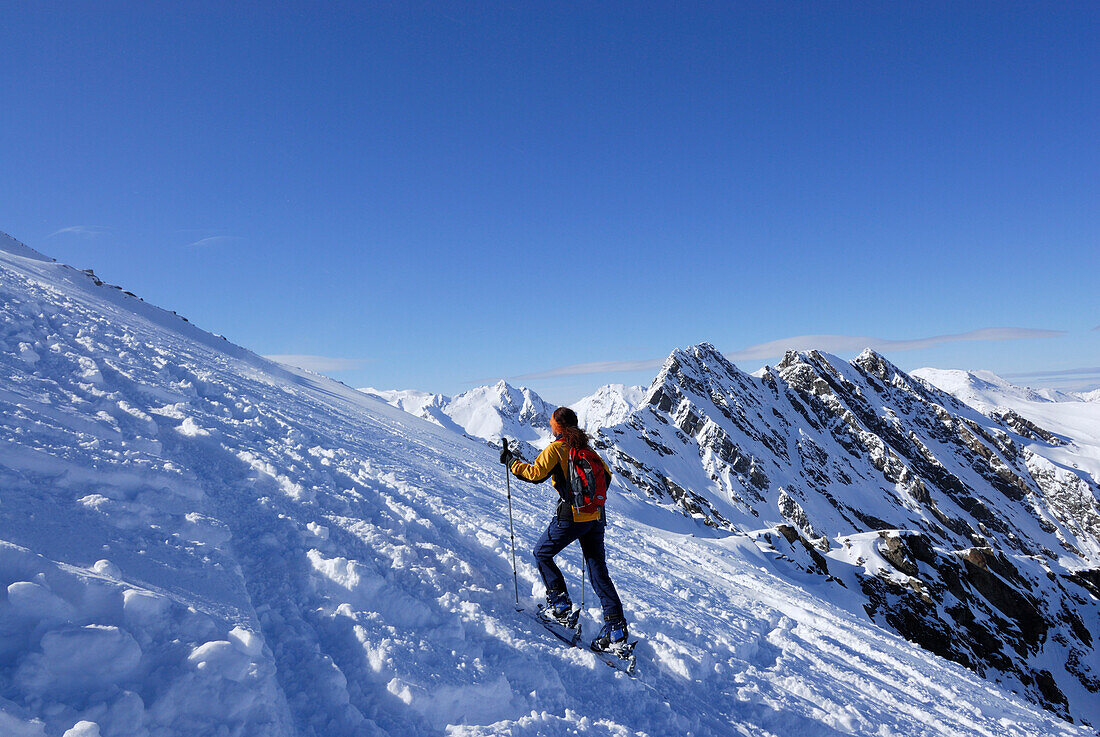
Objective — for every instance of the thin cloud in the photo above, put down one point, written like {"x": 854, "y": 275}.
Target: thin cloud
{"x": 1066, "y": 380}
{"x": 87, "y": 231}
{"x": 828, "y": 343}
{"x": 1097, "y": 327}
{"x": 214, "y": 240}
{"x": 1095, "y": 370}
{"x": 319, "y": 364}
{"x": 855, "y": 343}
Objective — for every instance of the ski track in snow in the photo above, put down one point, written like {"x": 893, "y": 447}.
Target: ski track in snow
{"x": 196, "y": 541}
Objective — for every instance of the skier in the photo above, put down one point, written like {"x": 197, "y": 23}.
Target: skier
{"x": 568, "y": 525}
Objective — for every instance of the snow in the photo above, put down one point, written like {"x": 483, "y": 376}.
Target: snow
{"x": 987, "y": 389}
{"x": 608, "y": 405}
{"x": 83, "y": 729}
{"x": 1074, "y": 417}
{"x": 501, "y": 410}
{"x": 194, "y": 540}
{"x": 487, "y": 412}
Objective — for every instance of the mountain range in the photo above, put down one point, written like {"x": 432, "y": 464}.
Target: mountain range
{"x": 988, "y": 534}
{"x": 196, "y": 540}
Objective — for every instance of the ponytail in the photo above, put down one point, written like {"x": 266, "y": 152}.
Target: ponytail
{"x": 571, "y": 434}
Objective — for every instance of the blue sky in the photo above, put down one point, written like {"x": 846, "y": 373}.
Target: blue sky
{"x": 432, "y": 194}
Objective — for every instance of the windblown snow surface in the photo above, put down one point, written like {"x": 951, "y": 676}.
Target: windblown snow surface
{"x": 196, "y": 541}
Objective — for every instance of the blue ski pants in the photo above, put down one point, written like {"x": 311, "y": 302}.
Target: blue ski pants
{"x": 557, "y": 536}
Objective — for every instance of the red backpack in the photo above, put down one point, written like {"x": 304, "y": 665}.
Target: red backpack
{"x": 587, "y": 480}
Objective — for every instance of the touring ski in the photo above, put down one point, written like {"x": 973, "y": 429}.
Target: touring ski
{"x": 621, "y": 658}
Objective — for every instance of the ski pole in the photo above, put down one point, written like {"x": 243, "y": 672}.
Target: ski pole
{"x": 511, "y": 527}
{"x": 583, "y": 563}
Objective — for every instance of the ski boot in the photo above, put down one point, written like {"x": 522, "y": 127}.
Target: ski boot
{"x": 612, "y": 638}
{"x": 559, "y": 608}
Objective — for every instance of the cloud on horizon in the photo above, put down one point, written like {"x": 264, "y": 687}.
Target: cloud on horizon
{"x": 1063, "y": 372}
{"x": 1083, "y": 379}
{"x": 319, "y": 364}
{"x": 827, "y": 343}
{"x": 856, "y": 343}
{"x": 90, "y": 231}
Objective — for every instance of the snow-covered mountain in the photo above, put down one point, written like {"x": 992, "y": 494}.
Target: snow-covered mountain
{"x": 1063, "y": 427}
{"x": 878, "y": 451}
{"x": 486, "y": 412}
{"x": 1001, "y": 544}
{"x": 985, "y": 389}
{"x": 608, "y": 405}
{"x": 521, "y": 415}
{"x": 197, "y": 541}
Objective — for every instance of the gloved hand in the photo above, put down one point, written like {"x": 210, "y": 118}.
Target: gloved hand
{"x": 506, "y": 457}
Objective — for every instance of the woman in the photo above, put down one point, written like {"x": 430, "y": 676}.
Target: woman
{"x": 568, "y": 525}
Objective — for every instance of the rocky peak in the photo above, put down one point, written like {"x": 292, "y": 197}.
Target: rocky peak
{"x": 700, "y": 371}
{"x": 807, "y": 372}
{"x": 875, "y": 364}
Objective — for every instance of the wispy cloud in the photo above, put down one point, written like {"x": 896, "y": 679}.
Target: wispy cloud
{"x": 87, "y": 231}
{"x": 1097, "y": 327}
{"x": 213, "y": 240}
{"x": 319, "y": 364}
{"x": 828, "y": 343}
{"x": 1069, "y": 380}
{"x": 1095, "y": 370}
{"x": 854, "y": 343}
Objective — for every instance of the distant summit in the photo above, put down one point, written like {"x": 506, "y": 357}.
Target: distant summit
{"x": 608, "y": 405}
{"x": 486, "y": 412}
{"x": 986, "y": 390}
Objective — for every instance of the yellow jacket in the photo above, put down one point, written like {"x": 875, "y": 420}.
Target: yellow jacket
{"x": 553, "y": 464}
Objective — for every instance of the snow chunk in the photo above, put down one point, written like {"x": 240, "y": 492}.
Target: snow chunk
{"x": 107, "y": 568}
{"x": 79, "y": 659}
{"x": 32, "y": 600}
{"x": 191, "y": 429}
{"x": 400, "y": 690}
{"x": 144, "y": 607}
{"x": 83, "y": 729}
{"x": 28, "y": 354}
{"x": 221, "y": 659}
{"x": 248, "y": 642}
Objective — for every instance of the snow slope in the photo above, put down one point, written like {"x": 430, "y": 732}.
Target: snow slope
{"x": 1074, "y": 418}
{"x": 197, "y": 541}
